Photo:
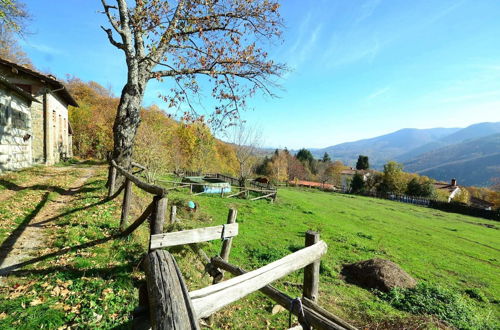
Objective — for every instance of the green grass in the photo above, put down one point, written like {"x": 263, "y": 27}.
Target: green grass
{"x": 93, "y": 287}
{"x": 444, "y": 250}
{"x": 455, "y": 258}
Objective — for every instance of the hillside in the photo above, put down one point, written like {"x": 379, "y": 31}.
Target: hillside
{"x": 471, "y": 132}
{"x": 452, "y": 251}
{"x": 380, "y": 149}
{"x": 473, "y": 162}
{"x": 95, "y": 284}
{"x": 406, "y": 144}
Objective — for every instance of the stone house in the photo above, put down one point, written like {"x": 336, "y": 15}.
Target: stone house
{"x": 15, "y": 126}
{"x": 451, "y": 189}
{"x": 48, "y": 127}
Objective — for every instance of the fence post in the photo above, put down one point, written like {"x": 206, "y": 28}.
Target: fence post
{"x": 190, "y": 188}
{"x": 126, "y": 204}
{"x": 111, "y": 188}
{"x": 226, "y": 244}
{"x": 311, "y": 272}
{"x": 173, "y": 213}
{"x": 158, "y": 215}
{"x": 222, "y": 192}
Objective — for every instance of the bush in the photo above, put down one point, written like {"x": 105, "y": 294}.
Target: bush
{"x": 447, "y": 305}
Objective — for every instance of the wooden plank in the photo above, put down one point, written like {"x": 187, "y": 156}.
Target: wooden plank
{"x": 226, "y": 245}
{"x": 193, "y": 236}
{"x": 169, "y": 302}
{"x": 311, "y": 272}
{"x": 152, "y": 189}
{"x": 127, "y": 196}
{"x": 238, "y": 193}
{"x": 313, "y": 318}
{"x": 208, "y": 300}
{"x": 264, "y": 196}
{"x": 312, "y": 305}
{"x": 142, "y": 167}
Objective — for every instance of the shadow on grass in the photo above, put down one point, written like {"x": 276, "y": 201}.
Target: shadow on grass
{"x": 8, "y": 244}
{"x": 10, "y": 269}
{"x": 15, "y": 187}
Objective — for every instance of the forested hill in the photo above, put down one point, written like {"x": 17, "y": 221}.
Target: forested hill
{"x": 380, "y": 149}
{"x": 473, "y": 162}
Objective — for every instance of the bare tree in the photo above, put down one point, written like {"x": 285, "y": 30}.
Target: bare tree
{"x": 246, "y": 141}
{"x": 195, "y": 43}
{"x": 13, "y": 22}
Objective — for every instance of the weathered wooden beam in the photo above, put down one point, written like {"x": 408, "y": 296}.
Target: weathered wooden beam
{"x": 311, "y": 272}
{"x": 226, "y": 245}
{"x": 208, "y": 300}
{"x": 173, "y": 214}
{"x": 213, "y": 271}
{"x": 169, "y": 302}
{"x": 143, "y": 217}
{"x": 264, "y": 196}
{"x": 152, "y": 189}
{"x": 313, "y": 318}
{"x": 323, "y": 312}
{"x": 158, "y": 214}
{"x": 191, "y": 236}
{"x": 135, "y": 164}
{"x": 127, "y": 196}
{"x": 238, "y": 193}
{"x": 112, "y": 181}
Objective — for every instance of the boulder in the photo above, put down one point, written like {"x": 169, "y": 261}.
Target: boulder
{"x": 377, "y": 273}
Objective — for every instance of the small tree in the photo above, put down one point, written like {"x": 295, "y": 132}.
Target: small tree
{"x": 357, "y": 184}
{"x": 362, "y": 163}
{"x": 326, "y": 158}
{"x": 191, "y": 44}
{"x": 414, "y": 188}
{"x": 393, "y": 179}
{"x": 246, "y": 141}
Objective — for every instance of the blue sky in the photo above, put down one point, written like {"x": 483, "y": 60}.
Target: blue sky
{"x": 360, "y": 68}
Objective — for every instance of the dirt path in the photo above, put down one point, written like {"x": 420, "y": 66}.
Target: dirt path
{"x": 34, "y": 181}
{"x": 33, "y": 235}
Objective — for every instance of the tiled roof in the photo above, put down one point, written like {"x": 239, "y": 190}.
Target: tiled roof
{"x": 45, "y": 78}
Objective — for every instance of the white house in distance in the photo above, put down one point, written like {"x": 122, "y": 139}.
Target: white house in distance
{"x": 34, "y": 123}
{"x": 347, "y": 175}
{"x": 452, "y": 188}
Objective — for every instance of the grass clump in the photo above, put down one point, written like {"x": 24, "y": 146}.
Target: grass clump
{"x": 447, "y": 305}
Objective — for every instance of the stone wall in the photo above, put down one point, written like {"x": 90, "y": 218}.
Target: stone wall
{"x": 15, "y": 124}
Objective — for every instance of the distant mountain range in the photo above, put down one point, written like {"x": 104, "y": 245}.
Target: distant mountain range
{"x": 470, "y": 154}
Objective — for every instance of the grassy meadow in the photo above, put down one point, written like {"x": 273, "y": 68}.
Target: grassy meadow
{"x": 70, "y": 285}
{"x": 447, "y": 251}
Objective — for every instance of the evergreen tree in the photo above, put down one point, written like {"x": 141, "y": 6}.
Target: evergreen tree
{"x": 357, "y": 184}
{"x": 363, "y": 163}
{"x": 326, "y": 158}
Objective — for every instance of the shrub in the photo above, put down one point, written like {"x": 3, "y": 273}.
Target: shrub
{"x": 447, "y": 305}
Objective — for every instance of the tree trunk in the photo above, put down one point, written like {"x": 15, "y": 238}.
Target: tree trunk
{"x": 126, "y": 124}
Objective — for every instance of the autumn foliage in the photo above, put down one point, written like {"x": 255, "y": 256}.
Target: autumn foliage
{"x": 162, "y": 143}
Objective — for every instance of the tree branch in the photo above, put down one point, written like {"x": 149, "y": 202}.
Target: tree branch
{"x": 112, "y": 40}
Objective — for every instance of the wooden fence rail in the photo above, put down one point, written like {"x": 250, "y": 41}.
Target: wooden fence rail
{"x": 208, "y": 300}
{"x": 169, "y": 303}
{"x": 193, "y": 236}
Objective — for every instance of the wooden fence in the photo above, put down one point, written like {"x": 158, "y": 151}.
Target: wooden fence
{"x": 262, "y": 190}
{"x": 169, "y": 304}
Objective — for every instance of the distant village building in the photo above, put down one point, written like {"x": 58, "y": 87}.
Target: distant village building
{"x": 481, "y": 204}
{"x": 452, "y": 188}
{"x": 34, "y": 122}
{"x": 347, "y": 175}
